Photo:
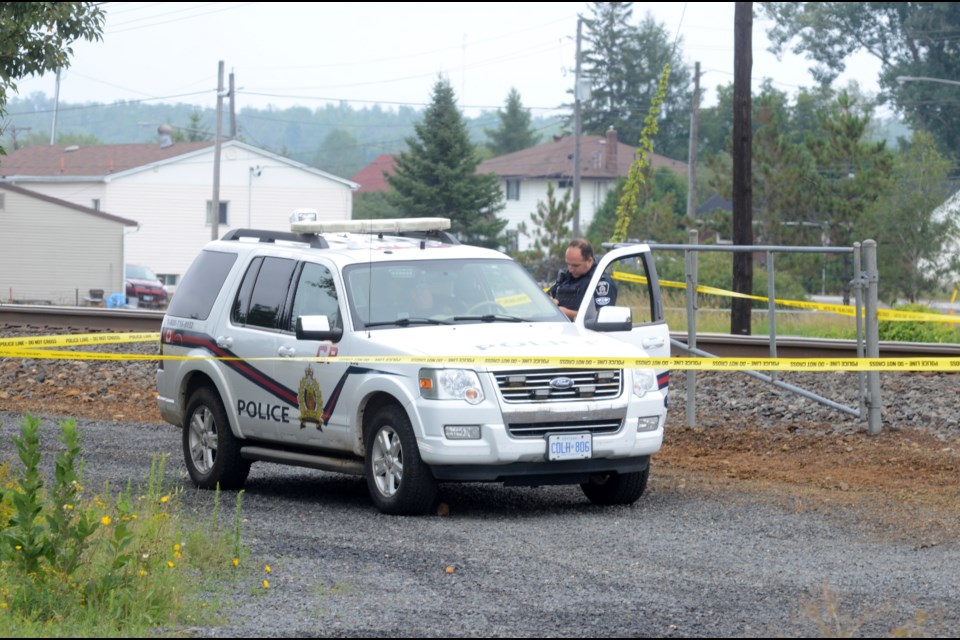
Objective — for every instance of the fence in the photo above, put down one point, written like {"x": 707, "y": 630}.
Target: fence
{"x": 863, "y": 284}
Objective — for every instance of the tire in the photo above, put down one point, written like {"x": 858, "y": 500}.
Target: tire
{"x": 616, "y": 488}
{"x": 210, "y": 450}
{"x": 398, "y": 480}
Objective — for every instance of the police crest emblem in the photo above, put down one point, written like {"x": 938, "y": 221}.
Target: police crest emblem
{"x": 310, "y": 400}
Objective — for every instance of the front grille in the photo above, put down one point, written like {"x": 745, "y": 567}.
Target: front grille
{"x": 541, "y": 429}
{"x": 559, "y": 385}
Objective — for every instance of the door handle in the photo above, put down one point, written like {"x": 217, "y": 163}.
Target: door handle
{"x": 653, "y": 343}
{"x": 286, "y": 352}
{"x": 224, "y": 342}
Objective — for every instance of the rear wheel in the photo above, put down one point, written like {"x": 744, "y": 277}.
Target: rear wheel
{"x": 616, "y": 488}
{"x": 210, "y": 450}
{"x": 398, "y": 480}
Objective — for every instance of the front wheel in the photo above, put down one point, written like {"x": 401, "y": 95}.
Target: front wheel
{"x": 398, "y": 480}
{"x": 616, "y": 488}
{"x": 210, "y": 450}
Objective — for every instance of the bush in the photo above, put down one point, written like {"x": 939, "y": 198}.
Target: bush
{"x": 73, "y": 563}
{"x": 915, "y": 331}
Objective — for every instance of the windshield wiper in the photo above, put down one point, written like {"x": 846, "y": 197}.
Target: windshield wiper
{"x": 404, "y": 322}
{"x": 491, "y": 317}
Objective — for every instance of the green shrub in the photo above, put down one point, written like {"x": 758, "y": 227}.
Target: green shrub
{"x": 74, "y": 564}
{"x": 914, "y": 331}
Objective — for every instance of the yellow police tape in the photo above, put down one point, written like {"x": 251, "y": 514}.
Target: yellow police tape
{"x": 39, "y": 347}
{"x": 842, "y": 309}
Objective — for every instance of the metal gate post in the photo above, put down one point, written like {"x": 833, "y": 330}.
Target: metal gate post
{"x": 873, "y": 337}
{"x": 690, "y": 260}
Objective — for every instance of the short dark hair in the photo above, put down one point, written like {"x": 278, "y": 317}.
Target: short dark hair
{"x": 586, "y": 249}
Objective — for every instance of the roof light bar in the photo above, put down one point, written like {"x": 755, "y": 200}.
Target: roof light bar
{"x": 383, "y": 225}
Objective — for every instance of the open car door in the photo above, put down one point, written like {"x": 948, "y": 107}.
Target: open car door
{"x": 626, "y": 277}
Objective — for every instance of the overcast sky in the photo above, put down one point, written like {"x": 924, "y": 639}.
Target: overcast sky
{"x": 364, "y": 53}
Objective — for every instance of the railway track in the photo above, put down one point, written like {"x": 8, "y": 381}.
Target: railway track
{"x": 83, "y": 319}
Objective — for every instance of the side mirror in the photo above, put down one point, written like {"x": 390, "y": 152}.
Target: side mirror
{"x": 317, "y": 328}
{"x": 612, "y": 319}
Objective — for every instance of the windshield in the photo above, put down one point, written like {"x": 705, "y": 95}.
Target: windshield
{"x": 423, "y": 292}
{"x": 137, "y": 272}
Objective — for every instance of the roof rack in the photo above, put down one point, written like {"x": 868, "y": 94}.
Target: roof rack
{"x": 315, "y": 241}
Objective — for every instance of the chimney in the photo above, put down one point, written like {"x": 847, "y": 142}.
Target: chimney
{"x": 166, "y": 135}
{"x": 610, "y": 162}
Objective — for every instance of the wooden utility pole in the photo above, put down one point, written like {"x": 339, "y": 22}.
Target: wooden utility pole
{"x": 742, "y": 158}
{"x": 577, "y": 134}
{"x": 694, "y": 135}
{"x": 215, "y": 203}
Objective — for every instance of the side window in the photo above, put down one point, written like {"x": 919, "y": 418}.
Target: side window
{"x": 201, "y": 285}
{"x": 316, "y": 295}
{"x": 263, "y": 292}
{"x": 628, "y": 285}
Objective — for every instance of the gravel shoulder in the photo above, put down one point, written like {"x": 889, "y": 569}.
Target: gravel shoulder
{"x": 772, "y": 517}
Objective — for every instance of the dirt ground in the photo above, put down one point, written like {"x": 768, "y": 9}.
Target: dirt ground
{"x": 899, "y": 484}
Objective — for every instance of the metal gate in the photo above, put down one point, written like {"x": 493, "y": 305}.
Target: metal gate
{"x": 863, "y": 285}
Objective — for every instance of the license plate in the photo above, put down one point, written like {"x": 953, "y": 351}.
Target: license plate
{"x": 569, "y": 446}
{"x": 148, "y": 298}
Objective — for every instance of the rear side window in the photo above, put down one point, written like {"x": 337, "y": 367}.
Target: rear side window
{"x": 201, "y": 284}
{"x": 261, "y": 297}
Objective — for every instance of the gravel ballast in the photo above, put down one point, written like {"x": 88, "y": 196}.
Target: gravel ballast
{"x": 531, "y": 562}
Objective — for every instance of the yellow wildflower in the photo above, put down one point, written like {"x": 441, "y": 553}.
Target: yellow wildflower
{"x": 105, "y": 520}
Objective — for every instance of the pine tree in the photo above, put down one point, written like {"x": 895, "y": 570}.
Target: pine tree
{"x": 437, "y": 176}
{"x": 624, "y": 62}
{"x": 550, "y": 232}
{"x": 514, "y": 132}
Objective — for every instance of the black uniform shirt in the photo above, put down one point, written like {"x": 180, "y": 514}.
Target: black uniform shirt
{"x": 569, "y": 291}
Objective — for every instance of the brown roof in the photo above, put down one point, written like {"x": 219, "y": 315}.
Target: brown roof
{"x": 93, "y": 160}
{"x": 370, "y": 178}
{"x": 601, "y": 157}
{"x": 68, "y": 205}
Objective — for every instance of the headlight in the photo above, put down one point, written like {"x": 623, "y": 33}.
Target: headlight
{"x": 644, "y": 380}
{"x": 451, "y": 384}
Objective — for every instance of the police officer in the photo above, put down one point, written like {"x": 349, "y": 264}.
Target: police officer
{"x": 569, "y": 289}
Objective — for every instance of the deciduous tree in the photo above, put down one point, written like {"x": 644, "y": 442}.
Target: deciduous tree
{"x": 37, "y": 37}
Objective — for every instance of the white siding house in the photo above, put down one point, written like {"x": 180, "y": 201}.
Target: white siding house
{"x": 524, "y": 175}
{"x": 53, "y": 251}
{"x": 167, "y": 189}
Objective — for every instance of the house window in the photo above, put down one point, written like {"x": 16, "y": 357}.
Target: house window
{"x": 513, "y": 189}
{"x": 224, "y": 208}
{"x": 95, "y": 204}
{"x": 565, "y": 184}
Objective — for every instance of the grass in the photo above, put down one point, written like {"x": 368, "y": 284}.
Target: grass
{"x": 789, "y": 322}
{"x": 125, "y": 563}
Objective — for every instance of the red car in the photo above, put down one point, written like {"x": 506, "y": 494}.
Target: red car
{"x": 144, "y": 287}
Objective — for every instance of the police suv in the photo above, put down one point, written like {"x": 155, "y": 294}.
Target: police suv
{"x": 383, "y": 348}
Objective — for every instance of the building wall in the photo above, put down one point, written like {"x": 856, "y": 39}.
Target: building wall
{"x": 533, "y": 191}
{"x": 170, "y": 203}
{"x": 56, "y": 254}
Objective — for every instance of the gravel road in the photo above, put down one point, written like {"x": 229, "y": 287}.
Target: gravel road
{"x": 543, "y": 562}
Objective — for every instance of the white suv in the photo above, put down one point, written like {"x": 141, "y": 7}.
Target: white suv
{"x": 358, "y": 347}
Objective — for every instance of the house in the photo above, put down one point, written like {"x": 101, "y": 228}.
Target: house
{"x": 371, "y": 179}
{"x": 168, "y": 187}
{"x": 524, "y": 175}
{"x": 54, "y": 251}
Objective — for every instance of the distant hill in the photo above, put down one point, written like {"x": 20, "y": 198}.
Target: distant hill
{"x": 336, "y": 138}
